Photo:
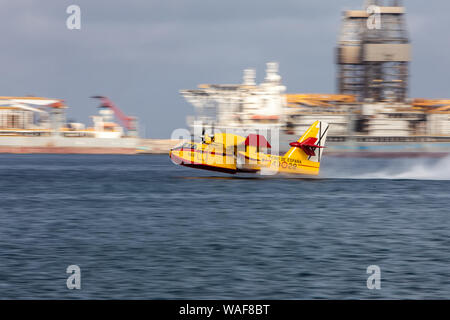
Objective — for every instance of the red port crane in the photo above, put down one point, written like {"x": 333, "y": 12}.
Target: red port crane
{"x": 127, "y": 122}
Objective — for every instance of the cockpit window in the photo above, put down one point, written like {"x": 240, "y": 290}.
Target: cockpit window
{"x": 188, "y": 145}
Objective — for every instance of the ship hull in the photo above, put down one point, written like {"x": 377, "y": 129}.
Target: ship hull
{"x": 62, "y": 145}
{"x": 364, "y": 146}
{"x": 391, "y": 150}
{"x": 66, "y": 150}
{"x": 387, "y": 154}
{"x": 353, "y": 148}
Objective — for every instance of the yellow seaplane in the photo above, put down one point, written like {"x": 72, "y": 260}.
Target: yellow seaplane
{"x": 232, "y": 153}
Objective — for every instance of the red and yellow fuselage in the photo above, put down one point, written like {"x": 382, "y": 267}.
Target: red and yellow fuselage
{"x": 232, "y": 153}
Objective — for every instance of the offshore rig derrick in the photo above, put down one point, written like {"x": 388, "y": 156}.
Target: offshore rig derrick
{"x": 374, "y": 52}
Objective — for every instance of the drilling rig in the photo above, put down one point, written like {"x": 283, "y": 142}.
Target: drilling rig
{"x": 374, "y": 52}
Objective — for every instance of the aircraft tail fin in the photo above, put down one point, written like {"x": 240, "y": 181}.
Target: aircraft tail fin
{"x": 310, "y": 145}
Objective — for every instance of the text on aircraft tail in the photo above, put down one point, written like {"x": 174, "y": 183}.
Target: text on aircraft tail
{"x": 311, "y": 143}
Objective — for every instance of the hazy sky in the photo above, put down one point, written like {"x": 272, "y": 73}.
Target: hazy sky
{"x": 140, "y": 53}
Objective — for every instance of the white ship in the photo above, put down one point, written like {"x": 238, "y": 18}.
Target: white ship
{"x": 38, "y": 125}
{"x": 416, "y": 127}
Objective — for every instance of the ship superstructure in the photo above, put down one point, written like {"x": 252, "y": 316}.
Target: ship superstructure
{"x": 240, "y": 105}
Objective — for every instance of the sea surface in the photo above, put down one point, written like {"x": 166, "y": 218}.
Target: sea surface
{"x": 140, "y": 227}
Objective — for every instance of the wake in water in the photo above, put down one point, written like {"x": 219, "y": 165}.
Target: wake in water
{"x": 416, "y": 169}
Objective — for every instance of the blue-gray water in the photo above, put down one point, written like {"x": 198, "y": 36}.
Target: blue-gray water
{"x": 141, "y": 227}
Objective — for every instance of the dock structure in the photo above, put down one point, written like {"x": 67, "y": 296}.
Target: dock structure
{"x": 374, "y": 52}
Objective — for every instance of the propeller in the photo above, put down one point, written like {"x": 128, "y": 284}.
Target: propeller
{"x": 203, "y": 134}
{"x": 213, "y": 125}
{"x": 206, "y": 139}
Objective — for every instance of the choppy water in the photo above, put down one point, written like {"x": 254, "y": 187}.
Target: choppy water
{"x": 140, "y": 227}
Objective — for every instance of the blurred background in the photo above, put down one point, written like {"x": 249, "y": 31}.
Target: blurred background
{"x": 141, "y": 53}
